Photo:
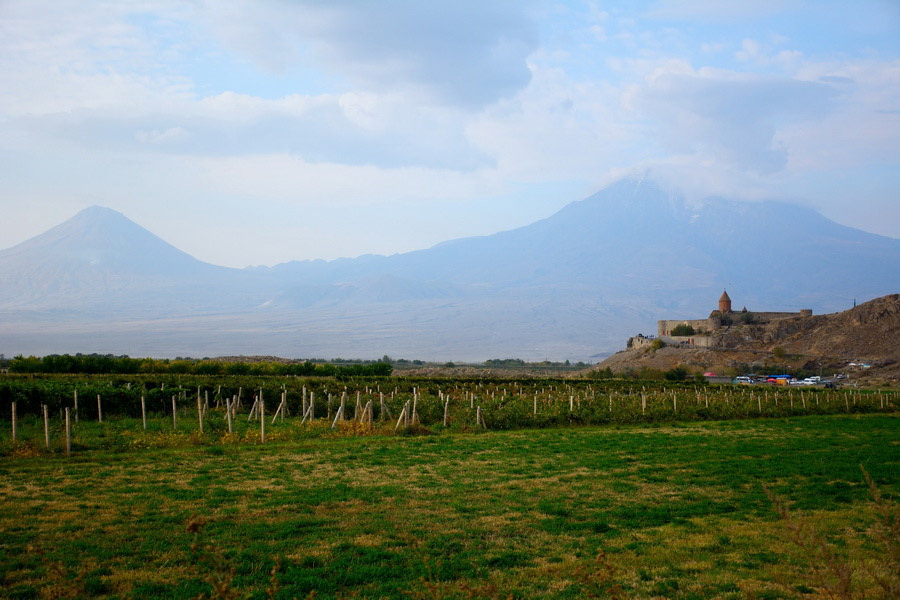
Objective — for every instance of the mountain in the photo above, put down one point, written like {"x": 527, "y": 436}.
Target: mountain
{"x": 633, "y": 240}
{"x": 574, "y": 285}
{"x": 101, "y": 262}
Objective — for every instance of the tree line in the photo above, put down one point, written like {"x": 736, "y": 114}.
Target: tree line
{"x": 108, "y": 364}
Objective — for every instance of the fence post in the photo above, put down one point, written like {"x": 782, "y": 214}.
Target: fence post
{"x": 46, "y": 426}
{"x": 68, "y": 434}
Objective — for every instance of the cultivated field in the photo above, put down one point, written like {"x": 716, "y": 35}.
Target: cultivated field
{"x": 651, "y": 502}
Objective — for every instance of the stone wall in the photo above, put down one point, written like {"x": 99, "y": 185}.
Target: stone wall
{"x": 664, "y": 328}
{"x": 640, "y": 341}
{"x": 698, "y": 341}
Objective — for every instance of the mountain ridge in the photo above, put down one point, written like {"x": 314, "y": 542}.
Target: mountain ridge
{"x": 570, "y": 286}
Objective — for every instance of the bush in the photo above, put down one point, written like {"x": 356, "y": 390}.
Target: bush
{"x": 683, "y": 329}
{"x": 676, "y": 374}
{"x": 601, "y": 374}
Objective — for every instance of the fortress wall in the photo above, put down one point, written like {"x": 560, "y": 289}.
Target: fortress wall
{"x": 664, "y": 327}
{"x": 639, "y": 342}
{"x": 699, "y": 341}
{"x": 768, "y": 317}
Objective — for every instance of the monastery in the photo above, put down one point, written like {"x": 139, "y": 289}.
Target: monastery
{"x": 699, "y": 332}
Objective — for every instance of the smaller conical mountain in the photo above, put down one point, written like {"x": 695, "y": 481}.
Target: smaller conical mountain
{"x": 100, "y": 259}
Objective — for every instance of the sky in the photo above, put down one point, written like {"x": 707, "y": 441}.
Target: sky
{"x": 254, "y": 132}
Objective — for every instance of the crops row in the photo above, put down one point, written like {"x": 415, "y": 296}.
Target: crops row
{"x": 116, "y": 411}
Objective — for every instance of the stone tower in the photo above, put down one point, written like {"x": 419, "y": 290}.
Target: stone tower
{"x": 724, "y": 303}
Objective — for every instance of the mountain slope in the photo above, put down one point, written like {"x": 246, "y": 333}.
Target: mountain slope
{"x": 99, "y": 260}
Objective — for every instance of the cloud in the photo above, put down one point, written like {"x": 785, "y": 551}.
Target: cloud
{"x": 293, "y": 180}
{"x": 729, "y": 117}
{"x": 718, "y": 10}
{"x": 352, "y": 128}
{"x": 467, "y": 53}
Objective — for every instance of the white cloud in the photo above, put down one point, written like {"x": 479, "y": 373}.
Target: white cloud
{"x": 362, "y": 104}
{"x": 718, "y": 10}
{"x": 730, "y": 117}
{"x": 467, "y": 52}
{"x": 292, "y": 180}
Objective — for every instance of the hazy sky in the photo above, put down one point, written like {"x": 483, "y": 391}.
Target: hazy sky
{"x": 260, "y": 131}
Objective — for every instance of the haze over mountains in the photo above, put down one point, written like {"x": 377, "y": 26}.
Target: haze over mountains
{"x": 574, "y": 285}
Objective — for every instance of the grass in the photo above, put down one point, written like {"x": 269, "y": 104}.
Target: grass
{"x": 674, "y": 510}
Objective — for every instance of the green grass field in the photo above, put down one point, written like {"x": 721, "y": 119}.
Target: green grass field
{"x": 661, "y": 510}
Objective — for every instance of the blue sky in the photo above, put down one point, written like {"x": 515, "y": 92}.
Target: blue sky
{"x": 260, "y": 131}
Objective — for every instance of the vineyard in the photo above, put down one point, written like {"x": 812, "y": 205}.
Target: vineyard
{"x": 137, "y": 411}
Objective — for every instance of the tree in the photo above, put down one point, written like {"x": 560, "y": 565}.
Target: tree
{"x": 683, "y": 329}
{"x": 676, "y": 374}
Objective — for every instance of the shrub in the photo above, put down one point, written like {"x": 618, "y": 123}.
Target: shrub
{"x": 676, "y": 374}
{"x": 683, "y": 329}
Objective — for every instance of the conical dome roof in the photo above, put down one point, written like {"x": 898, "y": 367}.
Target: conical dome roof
{"x": 724, "y": 297}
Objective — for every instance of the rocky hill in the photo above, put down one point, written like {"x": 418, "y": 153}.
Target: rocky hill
{"x": 868, "y": 333}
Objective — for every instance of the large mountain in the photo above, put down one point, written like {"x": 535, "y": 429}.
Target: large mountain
{"x": 574, "y": 285}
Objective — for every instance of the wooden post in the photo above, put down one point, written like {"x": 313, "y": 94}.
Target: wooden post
{"x": 341, "y": 411}
{"x": 643, "y": 404}
{"x": 400, "y": 418}
{"x": 447, "y": 412}
{"x": 99, "y": 410}
{"x": 76, "y": 406}
{"x": 144, "y": 412}
{"x": 262, "y": 420}
{"x": 199, "y": 412}
{"x": 46, "y": 426}
{"x": 228, "y": 414}
{"x": 68, "y": 434}
{"x": 253, "y": 409}
{"x": 382, "y": 410}
{"x": 279, "y": 410}
{"x": 174, "y": 415}
{"x": 337, "y": 416}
